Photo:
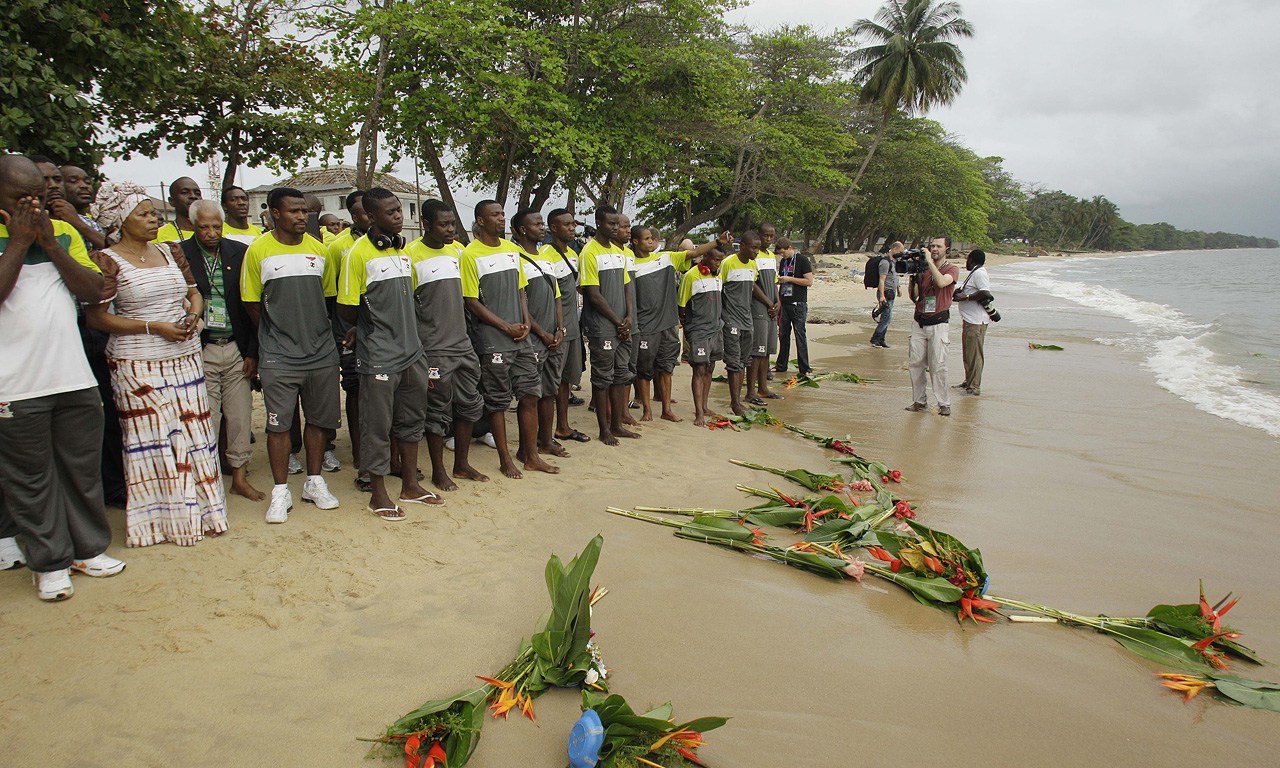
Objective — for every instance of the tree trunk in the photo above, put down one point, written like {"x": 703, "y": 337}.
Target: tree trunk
{"x": 857, "y": 179}
{"x": 233, "y": 158}
{"x": 442, "y": 184}
{"x": 526, "y": 192}
{"x": 504, "y": 178}
{"x": 682, "y": 229}
{"x": 367, "y": 146}
{"x": 542, "y": 192}
{"x": 571, "y": 202}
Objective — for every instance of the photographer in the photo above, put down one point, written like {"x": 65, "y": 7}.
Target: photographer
{"x": 931, "y": 292}
{"x": 887, "y": 291}
{"x": 972, "y": 298}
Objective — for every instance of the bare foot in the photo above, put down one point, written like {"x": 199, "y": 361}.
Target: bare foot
{"x": 608, "y": 439}
{"x": 468, "y": 472}
{"x": 670, "y": 416}
{"x": 242, "y": 487}
{"x": 626, "y": 433}
{"x": 738, "y": 409}
{"x": 555, "y": 449}
{"x": 442, "y": 481}
{"x": 700, "y": 421}
{"x": 510, "y": 470}
{"x": 646, "y": 416}
{"x": 538, "y": 465}
{"x": 629, "y": 421}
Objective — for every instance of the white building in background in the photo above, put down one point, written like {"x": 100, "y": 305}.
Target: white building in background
{"x": 334, "y": 183}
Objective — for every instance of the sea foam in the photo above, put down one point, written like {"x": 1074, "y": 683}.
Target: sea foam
{"x": 1175, "y": 348}
{"x": 1187, "y": 369}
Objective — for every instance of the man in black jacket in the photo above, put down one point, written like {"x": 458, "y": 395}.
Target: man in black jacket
{"x": 229, "y": 338}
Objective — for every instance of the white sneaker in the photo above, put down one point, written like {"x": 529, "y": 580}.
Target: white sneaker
{"x": 330, "y": 462}
{"x": 448, "y": 443}
{"x": 295, "y": 465}
{"x": 53, "y": 585}
{"x": 487, "y": 439}
{"x": 281, "y": 503}
{"x": 98, "y": 566}
{"x": 317, "y": 492}
{"x": 10, "y": 555}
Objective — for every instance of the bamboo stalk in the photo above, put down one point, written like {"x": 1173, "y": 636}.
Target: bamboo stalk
{"x": 647, "y": 518}
{"x": 692, "y": 511}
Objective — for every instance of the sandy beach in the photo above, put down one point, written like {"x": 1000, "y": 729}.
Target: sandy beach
{"x": 1087, "y": 487}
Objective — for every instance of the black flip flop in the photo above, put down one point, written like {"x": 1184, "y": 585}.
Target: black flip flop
{"x": 756, "y": 401}
{"x": 577, "y": 437}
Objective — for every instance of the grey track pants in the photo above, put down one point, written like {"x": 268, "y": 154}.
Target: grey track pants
{"x": 51, "y": 477}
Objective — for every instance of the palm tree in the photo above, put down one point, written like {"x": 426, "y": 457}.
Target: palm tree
{"x": 912, "y": 65}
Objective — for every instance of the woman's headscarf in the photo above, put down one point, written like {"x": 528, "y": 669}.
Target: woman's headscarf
{"x": 115, "y": 201}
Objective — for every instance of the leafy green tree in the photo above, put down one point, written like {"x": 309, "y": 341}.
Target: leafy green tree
{"x": 238, "y": 89}
{"x": 911, "y": 65}
{"x": 778, "y": 147}
{"x": 1007, "y": 216}
{"x": 67, "y": 66}
{"x": 921, "y": 184}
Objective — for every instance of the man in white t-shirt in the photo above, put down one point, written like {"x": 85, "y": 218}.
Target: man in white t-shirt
{"x": 50, "y": 410}
{"x": 971, "y": 297}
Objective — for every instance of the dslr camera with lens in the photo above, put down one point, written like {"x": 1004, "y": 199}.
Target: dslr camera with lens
{"x": 990, "y": 307}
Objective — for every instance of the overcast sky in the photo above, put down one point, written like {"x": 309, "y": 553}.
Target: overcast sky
{"x": 1167, "y": 107}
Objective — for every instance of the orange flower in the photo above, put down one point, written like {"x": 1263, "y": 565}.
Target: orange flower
{"x": 1188, "y": 685}
{"x": 526, "y": 707}
{"x": 880, "y": 553}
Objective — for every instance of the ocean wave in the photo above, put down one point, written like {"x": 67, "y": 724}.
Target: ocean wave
{"x": 1187, "y": 369}
{"x": 1148, "y": 315}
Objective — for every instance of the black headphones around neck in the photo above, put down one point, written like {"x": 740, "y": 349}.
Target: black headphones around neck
{"x": 387, "y": 242}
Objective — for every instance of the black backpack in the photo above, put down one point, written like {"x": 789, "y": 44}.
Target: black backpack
{"x": 871, "y": 273}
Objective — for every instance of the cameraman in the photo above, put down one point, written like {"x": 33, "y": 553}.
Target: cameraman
{"x": 931, "y": 292}
{"x": 887, "y": 292}
{"x": 971, "y": 298}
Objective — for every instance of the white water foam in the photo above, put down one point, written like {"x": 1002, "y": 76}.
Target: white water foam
{"x": 1181, "y": 362}
{"x": 1149, "y": 315}
{"x": 1186, "y": 368}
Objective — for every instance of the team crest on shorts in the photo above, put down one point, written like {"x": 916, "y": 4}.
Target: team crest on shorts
{"x": 497, "y": 357}
{"x": 702, "y": 350}
{"x": 5, "y": 411}
{"x": 644, "y": 345}
{"x": 433, "y": 373}
{"x": 608, "y": 344}
{"x": 382, "y": 377}
{"x": 273, "y": 419}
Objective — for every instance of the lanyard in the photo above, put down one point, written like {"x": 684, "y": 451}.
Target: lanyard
{"x": 212, "y": 268}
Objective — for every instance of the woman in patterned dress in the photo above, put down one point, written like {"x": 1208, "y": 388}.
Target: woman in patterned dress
{"x": 174, "y": 485}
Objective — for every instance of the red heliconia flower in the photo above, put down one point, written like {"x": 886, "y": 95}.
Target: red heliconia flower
{"x": 969, "y": 602}
{"x": 1214, "y": 614}
{"x": 436, "y": 755}
{"x": 411, "y": 757}
{"x": 934, "y": 564}
{"x": 687, "y": 754}
{"x": 880, "y": 553}
{"x": 1205, "y": 648}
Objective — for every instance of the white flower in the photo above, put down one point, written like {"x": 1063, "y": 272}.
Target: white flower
{"x": 592, "y": 676}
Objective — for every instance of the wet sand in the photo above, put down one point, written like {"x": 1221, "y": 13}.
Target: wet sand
{"x": 1086, "y": 486}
